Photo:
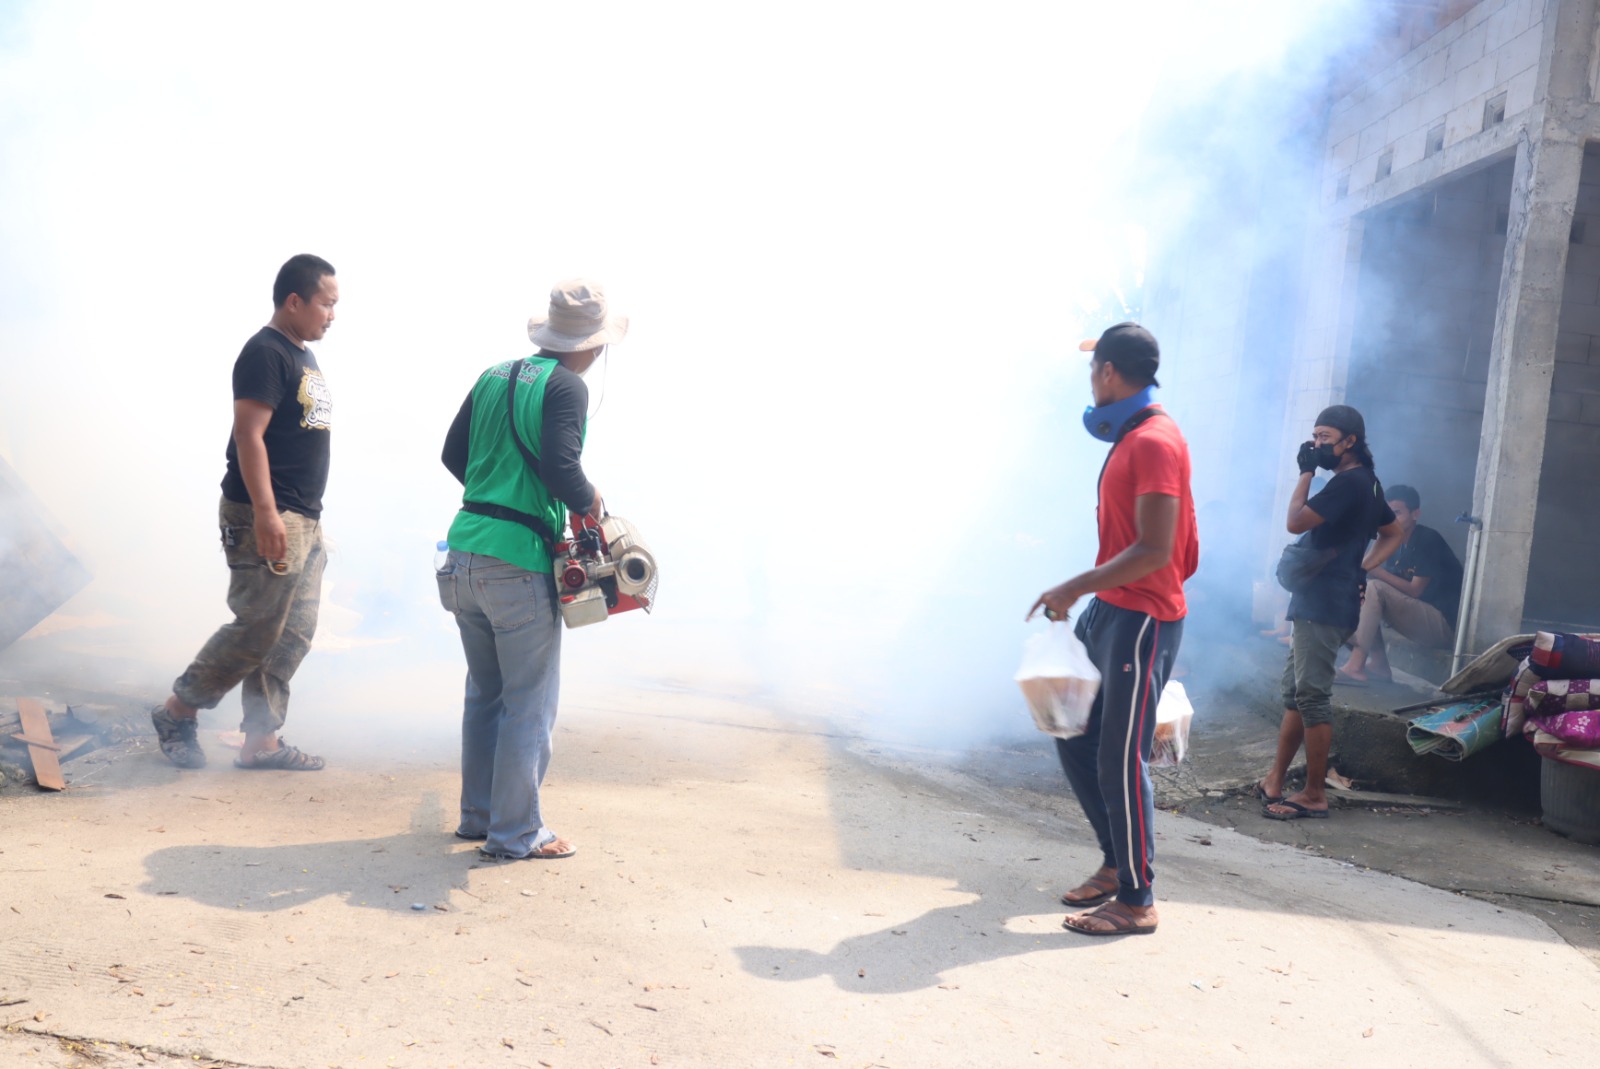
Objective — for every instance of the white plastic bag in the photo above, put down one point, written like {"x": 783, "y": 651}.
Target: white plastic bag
{"x": 1173, "y": 714}
{"x": 1059, "y": 681}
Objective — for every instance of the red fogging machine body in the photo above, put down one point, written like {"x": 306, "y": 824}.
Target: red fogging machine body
{"x": 604, "y": 568}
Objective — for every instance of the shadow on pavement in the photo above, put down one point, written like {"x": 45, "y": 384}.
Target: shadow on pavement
{"x": 918, "y": 954}
{"x": 392, "y": 872}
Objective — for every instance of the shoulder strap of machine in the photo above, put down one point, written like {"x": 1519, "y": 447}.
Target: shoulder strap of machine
{"x": 1146, "y": 413}
{"x": 511, "y": 416}
{"x": 501, "y": 512}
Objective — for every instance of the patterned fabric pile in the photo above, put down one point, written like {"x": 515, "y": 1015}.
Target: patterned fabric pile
{"x": 1555, "y": 694}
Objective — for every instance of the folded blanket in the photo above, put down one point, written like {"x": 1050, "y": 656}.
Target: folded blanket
{"x": 1556, "y": 750}
{"x": 1580, "y": 729}
{"x": 1558, "y": 655}
{"x": 1457, "y": 731}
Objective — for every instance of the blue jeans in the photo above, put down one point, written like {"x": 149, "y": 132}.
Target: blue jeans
{"x": 511, "y": 633}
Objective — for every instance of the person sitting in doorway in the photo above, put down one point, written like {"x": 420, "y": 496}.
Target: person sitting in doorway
{"x": 1417, "y": 593}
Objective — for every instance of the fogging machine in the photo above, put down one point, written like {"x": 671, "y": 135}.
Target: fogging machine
{"x": 604, "y": 568}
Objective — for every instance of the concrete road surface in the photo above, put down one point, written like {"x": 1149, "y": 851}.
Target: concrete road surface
{"x": 748, "y": 891}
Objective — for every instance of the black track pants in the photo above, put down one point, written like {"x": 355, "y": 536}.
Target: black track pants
{"x": 1108, "y": 764}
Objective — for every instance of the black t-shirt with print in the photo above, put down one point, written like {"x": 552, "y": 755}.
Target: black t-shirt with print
{"x": 273, "y": 370}
{"x": 1352, "y": 509}
{"x": 1428, "y": 555}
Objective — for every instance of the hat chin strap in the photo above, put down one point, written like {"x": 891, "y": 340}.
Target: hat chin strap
{"x": 605, "y": 373}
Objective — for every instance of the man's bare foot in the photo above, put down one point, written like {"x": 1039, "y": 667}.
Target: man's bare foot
{"x": 1345, "y": 674}
{"x": 1093, "y": 891}
{"x": 263, "y": 743}
{"x": 1114, "y": 918}
{"x": 554, "y": 849}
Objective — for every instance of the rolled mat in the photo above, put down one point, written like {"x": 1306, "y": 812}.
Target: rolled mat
{"x": 1457, "y": 731}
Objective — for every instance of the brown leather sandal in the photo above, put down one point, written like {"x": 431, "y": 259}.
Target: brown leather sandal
{"x": 1104, "y": 887}
{"x": 1120, "y": 917}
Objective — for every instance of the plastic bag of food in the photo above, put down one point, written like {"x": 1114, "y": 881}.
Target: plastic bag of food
{"x": 1173, "y": 714}
{"x": 1058, "y": 680}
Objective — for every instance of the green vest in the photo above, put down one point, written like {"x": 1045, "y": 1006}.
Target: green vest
{"x": 497, "y": 474}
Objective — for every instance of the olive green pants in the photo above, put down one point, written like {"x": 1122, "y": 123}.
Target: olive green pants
{"x": 274, "y": 619}
{"x": 1308, "y": 674}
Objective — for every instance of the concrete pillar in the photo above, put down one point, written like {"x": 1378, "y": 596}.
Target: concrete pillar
{"x": 1544, "y": 193}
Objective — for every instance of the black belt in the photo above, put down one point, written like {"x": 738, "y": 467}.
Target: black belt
{"x": 501, "y": 512}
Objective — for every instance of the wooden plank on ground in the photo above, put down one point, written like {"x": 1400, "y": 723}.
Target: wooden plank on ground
{"x": 69, "y": 746}
{"x": 42, "y": 747}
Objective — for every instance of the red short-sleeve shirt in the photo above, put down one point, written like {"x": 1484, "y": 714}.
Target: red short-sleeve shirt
{"x": 1152, "y": 459}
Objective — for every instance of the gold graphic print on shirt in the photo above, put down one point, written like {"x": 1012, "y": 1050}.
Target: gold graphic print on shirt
{"x": 316, "y": 401}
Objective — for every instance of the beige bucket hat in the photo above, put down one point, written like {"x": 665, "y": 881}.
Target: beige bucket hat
{"x": 579, "y": 318}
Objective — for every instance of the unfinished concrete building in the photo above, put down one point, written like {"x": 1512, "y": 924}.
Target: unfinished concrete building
{"x": 1446, "y": 281}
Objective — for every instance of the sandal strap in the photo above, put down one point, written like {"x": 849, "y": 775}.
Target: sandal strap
{"x": 1118, "y": 915}
{"x": 286, "y": 757}
{"x": 1102, "y": 884}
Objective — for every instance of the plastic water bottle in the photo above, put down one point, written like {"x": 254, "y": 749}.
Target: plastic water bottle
{"x": 441, "y": 556}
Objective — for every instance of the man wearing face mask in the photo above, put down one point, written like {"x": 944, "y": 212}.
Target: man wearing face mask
{"x": 1148, "y": 547}
{"x": 1342, "y": 519}
{"x": 516, "y": 447}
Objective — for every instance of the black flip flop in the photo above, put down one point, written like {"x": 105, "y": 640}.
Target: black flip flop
{"x": 1261, "y": 794}
{"x": 1300, "y": 812}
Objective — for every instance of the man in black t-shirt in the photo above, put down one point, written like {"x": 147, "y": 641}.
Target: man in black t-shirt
{"x": 1417, "y": 593}
{"x": 271, "y": 530}
{"x": 1339, "y": 521}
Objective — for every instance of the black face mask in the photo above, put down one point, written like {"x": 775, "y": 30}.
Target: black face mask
{"x": 1326, "y": 458}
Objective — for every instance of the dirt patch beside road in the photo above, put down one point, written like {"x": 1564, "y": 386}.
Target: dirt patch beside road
{"x": 1505, "y": 858}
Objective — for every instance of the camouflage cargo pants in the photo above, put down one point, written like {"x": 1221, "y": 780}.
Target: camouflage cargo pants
{"x": 274, "y": 618}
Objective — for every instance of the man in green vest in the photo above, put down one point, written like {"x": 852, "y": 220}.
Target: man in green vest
{"x": 516, "y": 447}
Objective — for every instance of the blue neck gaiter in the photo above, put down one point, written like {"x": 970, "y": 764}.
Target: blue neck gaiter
{"x": 1105, "y": 421}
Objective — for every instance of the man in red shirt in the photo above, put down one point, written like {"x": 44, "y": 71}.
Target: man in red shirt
{"x": 1148, "y": 547}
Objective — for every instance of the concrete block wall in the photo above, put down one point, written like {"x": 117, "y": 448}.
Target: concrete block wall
{"x": 1564, "y": 577}
{"x": 1493, "y": 48}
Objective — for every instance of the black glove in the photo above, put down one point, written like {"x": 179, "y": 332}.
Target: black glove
{"x": 1307, "y": 458}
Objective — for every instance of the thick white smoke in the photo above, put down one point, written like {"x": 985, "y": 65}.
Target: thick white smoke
{"x": 858, "y": 244}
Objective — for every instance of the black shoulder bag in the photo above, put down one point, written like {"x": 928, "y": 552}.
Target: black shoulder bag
{"x": 1301, "y": 563}
{"x": 501, "y": 512}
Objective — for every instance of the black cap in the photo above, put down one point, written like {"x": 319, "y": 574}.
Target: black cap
{"x": 1130, "y": 349}
{"x": 1343, "y": 418}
